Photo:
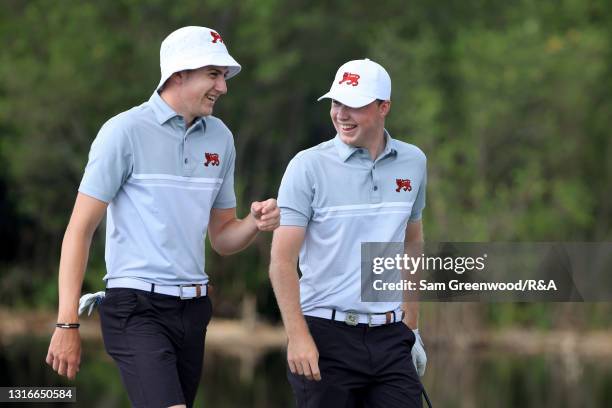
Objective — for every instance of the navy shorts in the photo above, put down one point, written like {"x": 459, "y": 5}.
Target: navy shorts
{"x": 157, "y": 342}
{"x": 361, "y": 366}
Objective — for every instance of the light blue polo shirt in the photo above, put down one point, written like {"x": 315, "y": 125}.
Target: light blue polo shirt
{"x": 343, "y": 198}
{"x": 161, "y": 181}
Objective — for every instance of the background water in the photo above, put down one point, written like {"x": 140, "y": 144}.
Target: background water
{"x": 457, "y": 379}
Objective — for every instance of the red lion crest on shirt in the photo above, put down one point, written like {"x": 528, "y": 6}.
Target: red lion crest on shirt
{"x": 403, "y": 184}
{"x": 212, "y": 159}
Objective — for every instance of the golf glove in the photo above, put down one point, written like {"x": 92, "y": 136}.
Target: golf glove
{"x": 419, "y": 358}
{"x": 90, "y": 301}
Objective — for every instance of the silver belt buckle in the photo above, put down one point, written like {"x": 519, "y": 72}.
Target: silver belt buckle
{"x": 351, "y": 318}
{"x": 181, "y": 292}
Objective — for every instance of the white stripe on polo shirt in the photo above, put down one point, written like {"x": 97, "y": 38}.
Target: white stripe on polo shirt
{"x": 362, "y": 206}
{"x": 176, "y": 178}
{"x": 176, "y": 182}
{"x": 325, "y": 213}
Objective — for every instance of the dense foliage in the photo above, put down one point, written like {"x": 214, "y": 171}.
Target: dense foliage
{"x": 511, "y": 102}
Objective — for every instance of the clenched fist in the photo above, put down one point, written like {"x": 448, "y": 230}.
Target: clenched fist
{"x": 266, "y": 214}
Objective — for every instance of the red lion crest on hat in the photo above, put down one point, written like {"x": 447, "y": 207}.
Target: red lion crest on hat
{"x": 350, "y": 79}
{"x": 216, "y": 37}
{"x": 403, "y": 184}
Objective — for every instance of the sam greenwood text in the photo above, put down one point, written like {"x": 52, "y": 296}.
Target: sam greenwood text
{"x": 455, "y": 285}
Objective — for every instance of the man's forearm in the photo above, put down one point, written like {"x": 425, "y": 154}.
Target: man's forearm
{"x": 284, "y": 278}
{"x": 235, "y": 235}
{"x": 413, "y": 247}
{"x": 73, "y": 261}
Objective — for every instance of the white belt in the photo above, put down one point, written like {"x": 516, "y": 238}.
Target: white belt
{"x": 353, "y": 318}
{"x": 188, "y": 291}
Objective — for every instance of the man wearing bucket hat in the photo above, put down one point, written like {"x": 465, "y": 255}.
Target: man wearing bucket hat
{"x": 163, "y": 172}
{"x": 341, "y": 351}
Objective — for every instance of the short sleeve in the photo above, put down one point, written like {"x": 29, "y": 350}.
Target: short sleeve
{"x": 226, "y": 198}
{"x": 295, "y": 194}
{"x": 419, "y": 202}
{"x": 110, "y": 162}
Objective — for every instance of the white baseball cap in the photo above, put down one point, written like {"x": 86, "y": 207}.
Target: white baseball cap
{"x": 360, "y": 82}
{"x": 194, "y": 47}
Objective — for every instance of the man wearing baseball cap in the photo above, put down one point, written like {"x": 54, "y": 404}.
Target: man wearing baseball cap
{"x": 163, "y": 173}
{"x": 343, "y": 352}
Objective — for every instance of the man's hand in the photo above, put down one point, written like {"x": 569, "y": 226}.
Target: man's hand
{"x": 64, "y": 353}
{"x": 303, "y": 357}
{"x": 419, "y": 358}
{"x": 266, "y": 214}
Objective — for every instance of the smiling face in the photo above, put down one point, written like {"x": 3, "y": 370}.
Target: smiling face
{"x": 195, "y": 92}
{"x": 361, "y": 127}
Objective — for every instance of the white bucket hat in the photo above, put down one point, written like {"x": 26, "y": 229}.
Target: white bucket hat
{"x": 360, "y": 82}
{"x": 194, "y": 47}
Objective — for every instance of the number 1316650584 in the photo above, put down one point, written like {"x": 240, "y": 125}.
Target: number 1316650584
{"x": 37, "y": 394}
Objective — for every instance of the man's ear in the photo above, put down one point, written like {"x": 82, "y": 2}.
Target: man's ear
{"x": 178, "y": 77}
{"x": 384, "y": 108}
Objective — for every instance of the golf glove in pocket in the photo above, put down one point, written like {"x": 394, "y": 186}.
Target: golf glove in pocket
{"x": 90, "y": 301}
{"x": 419, "y": 358}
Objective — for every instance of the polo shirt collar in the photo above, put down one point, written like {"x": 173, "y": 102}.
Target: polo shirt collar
{"x": 346, "y": 151}
{"x": 389, "y": 146}
{"x": 163, "y": 112}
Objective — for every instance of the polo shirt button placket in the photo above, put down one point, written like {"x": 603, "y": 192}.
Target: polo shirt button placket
{"x": 185, "y": 149}
{"x": 375, "y": 196}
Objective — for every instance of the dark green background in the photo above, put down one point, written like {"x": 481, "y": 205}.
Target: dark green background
{"x": 511, "y": 102}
